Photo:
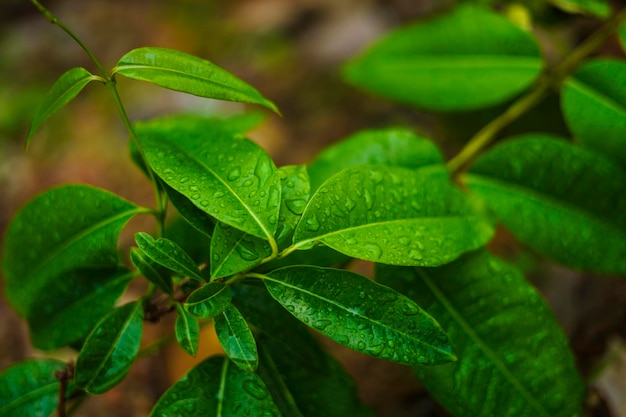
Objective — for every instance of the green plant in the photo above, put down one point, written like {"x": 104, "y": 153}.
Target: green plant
{"x": 479, "y": 337}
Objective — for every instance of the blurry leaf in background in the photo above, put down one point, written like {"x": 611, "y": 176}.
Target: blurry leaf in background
{"x": 598, "y": 8}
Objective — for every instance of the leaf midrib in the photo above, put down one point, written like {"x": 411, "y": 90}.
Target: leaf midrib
{"x": 231, "y": 328}
{"x": 597, "y": 95}
{"x": 176, "y": 262}
{"x": 25, "y": 398}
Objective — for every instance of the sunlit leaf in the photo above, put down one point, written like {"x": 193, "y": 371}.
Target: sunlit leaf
{"x": 168, "y": 254}
{"x": 209, "y": 300}
{"x": 236, "y": 339}
{"x": 187, "y": 330}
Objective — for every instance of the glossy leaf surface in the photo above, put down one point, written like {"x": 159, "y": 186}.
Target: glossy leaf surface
{"x": 360, "y": 314}
{"x": 225, "y": 175}
{"x": 467, "y": 59}
{"x": 561, "y": 200}
{"x": 61, "y": 230}
{"x": 110, "y": 349}
{"x": 62, "y": 92}
{"x": 187, "y": 330}
{"x": 30, "y": 389}
{"x": 393, "y": 215}
{"x": 236, "y": 339}
{"x": 513, "y": 357}
{"x": 594, "y": 106}
{"x": 393, "y": 146}
{"x": 151, "y": 270}
{"x": 600, "y": 8}
{"x": 216, "y": 387}
{"x": 179, "y": 71}
{"x": 296, "y": 190}
{"x": 209, "y": 300}
{"x": 168, "y": 254}
{"x": 68, "y": 310}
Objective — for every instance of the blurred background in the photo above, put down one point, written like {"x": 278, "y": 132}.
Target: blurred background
{"x": 292, "y": 51}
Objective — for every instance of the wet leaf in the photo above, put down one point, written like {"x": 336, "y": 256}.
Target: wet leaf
{"x": 540, "y": 187}
{"x": 197, "y": 218}
{"x": 110, "y": 349}
{"x": 61, "y": 230}
{"x": 29, "y": 388}
{"x": 319, "y": 255}
{"x": 296, "y": 189}
{"x": 600, "y": 8}
{"x": 209, "y": 300}
{"x": 360, "y": 314}
{"x": 168, "y": 254}
{"x": 187, "y": 331}
{"x": 467, "y": 59}
{"x": 191, "y": 240}
{"x": 151, "y": 270}
{"x": 216, "y": 387}
{"x": 236, "y": 339}
{"x": 393, "y": 146}
{"x": 179, "y": 71}
{"x": 514, "y": 359}
{"x": 393, "y": 215}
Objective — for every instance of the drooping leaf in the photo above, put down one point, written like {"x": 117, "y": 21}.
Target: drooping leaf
{"x": 393, "y": 146}
{"x": 30, "y": 388}
{"x": 187, "y": 330}
{"x": 168, "y": 254}
{"x": 393, "y": 215}
{"x": 209, "y": 300}
{"x": 68, "y": 310}
{"x": 199, "y": 219}
{"x": 216, "y": 387}
{"x": 62, "y": 229}
{"x": 594, "y": 106}
{"x": 152, "y": 271}
{"x": 513, "y": 356}
{"x": 360, "y": 314}
{"x": 467, "y": 59}
{"x": 179, "y": 71}
{"x": 225, "y": 175}
{"x": 110, "y": 349}
{"x": 564, "y": 201}
{"x": 600, "y": 8}
{"x": 236, "y": 339}
{"x": 62, "y": 92}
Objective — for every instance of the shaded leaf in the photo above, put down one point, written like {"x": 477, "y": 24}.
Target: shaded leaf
{"x": 236, "y": 339}
{"x": 197, "y": 218}
{"x": 467, "y": 59}
{"x": 393, "y": 215}
{"x": 513, "y": 356}
{"x": 600, "y": 8}
{"x": 191, "y": 240}
{"x": 60, "y": 230}
{"x": 296, "y": 189}
{"x": 209, "y": 300}
{"x": 216, "y": 387}
{"x": 151, "y": 270}
{"x": 562, "y": 200}
{"x": 168, "y": 254}
{"x": 318, "y": 255}
{"x": 187, "y": 331}
{"x": 179, "y": 71}
{"x": 360, "y": 314}
{"x": 110, "y": 349}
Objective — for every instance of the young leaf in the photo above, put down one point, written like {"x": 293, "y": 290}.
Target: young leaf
{"x": 393, "y": 215}
{"x": 68, "y": 310}
{"x": 187, "y": 330}
{"x": 467, "y": 59}
{"x": 189, "y": 74}
{"x": 513, "y": 356}
{"x": 236, "y": 339}
{"x": 600, "y": 8}
{"x": 62, "y": 92}
{"x": 225, "y": 175}
{"x": 151, "y": 270}
{"x": 168, "y": 254}
{"x": 234, "y": 251}
{"x": 216, "y": 387}
{"x": 30, "y": 388}
{"x": 110, "y": 349}
{"x": 562, "y": 200}
{"x": 63, "y": 229}
{"x": 394, "y": 146}
{"x": 209, "y": 300}
{"x": 360, "y": 314}
{"x": 594, "y": 107}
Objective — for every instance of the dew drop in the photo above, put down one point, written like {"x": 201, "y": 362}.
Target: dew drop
{"x": 321, "y": 324}
{"x": 374, "y": 251}
{"x": 195, "y": 196}
{"x": 248, "y": 182}
{"x": 247, "y": 252}
{"x": 312, "y": 223}
{"x": 290, "y": 184}
{"x": 183, "y": 179}
{"x": 296, "y": 206}
{"x": 405, "y": 241}
{"x": 204, "y": 203}
{"x": 416, "y": 255}
{"x": 369, "y": 203}
{"x": 263, "y": 170}
{"x": 410, "y": 310}
{"x": 218, "y": 194}
{"x": 349, "y": 204}
{"x": 361, "y": 345}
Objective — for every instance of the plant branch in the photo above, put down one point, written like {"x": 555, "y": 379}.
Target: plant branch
{"x": 64, "y": 376}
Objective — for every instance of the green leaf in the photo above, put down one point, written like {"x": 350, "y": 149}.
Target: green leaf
{"x": 236, "y": 339}
{"x": 600, "y": 8}
{"x": 68, "y": 310}
{"x": 30, "y": 388}
{"x": 564, "y": 201}
{"x": 319, "y": 255}
{"x": 151, "y": 270}
{"x": 189, "y": 74}
{"x": 62, "y": 92}
{"x": 514, "y": 359}
{"x": 296, "y": 189}
{"x": 594, "y": 107}
{"x": 62, "y": 229}
{"x": 200, "y": 220}
{"x": 216, "y": 387}
{"x": 196, "y": 243}
{"x": 393, "y": 215}
{"x": 392, "y": 146}
{"x": 360, "y": 314}
{"x": 187, "y": 330}
{"x": 467, "y": 59}
{"x": 225, "y": 175}
{"x": 110, "y": 349}
{"x": 168, "y": 254}
{"x": 209, "y": 300}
